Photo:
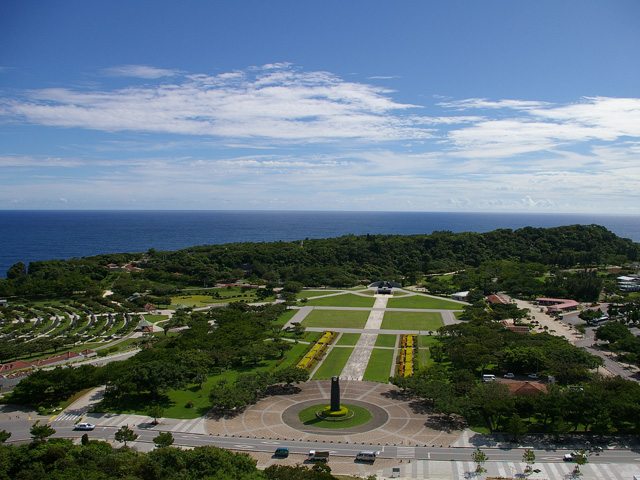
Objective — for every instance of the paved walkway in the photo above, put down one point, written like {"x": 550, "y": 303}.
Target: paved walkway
{"x": 359, "y": 359}
{"x": 406, "y": 424}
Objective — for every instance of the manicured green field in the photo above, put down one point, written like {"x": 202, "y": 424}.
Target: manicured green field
{"x": 217, "y": 295}
{"x": 423, "y": 357}
{"x": 348, "y": 339}
{"x": 336, "y": 319}
{"x": 428, "y": 340}
{"x": 285, "y": 317}
{"x": 176, "y": 405}
{"x": 361, "y": 416}
{"x": 346, "y": 300}
{"x": 154, "y": 318}
{"x": 379, "y": 366}
{"x": 412, "y": 321}
{"x": 386, "y": 340}
{"x": 422, "y": 301}
{"x": 333, "y": 363}
{"x": 316, "y": 293}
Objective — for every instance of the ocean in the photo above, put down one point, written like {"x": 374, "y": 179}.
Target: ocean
{"x": 27, "y": 236}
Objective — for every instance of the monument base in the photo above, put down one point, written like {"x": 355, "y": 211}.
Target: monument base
{"x": 335, "y": 415}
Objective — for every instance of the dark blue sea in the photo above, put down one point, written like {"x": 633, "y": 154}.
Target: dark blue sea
{"x": 27, "y": 236}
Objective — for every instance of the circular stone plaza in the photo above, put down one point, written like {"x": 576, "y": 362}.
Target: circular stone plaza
{"x": 395, "y": 421}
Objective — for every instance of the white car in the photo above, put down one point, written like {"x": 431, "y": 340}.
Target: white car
{"x": 533, "y": 375}
{"x": 509, "y": 375}
{"x": 84, "y": 426}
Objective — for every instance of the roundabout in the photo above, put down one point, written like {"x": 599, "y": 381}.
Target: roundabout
{"x": 395, "y": 418}
{"x": 303, "y": 417}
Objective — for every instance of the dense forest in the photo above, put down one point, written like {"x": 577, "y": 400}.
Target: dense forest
{"x": 60, "y": 459}
{"x": 337, "y": 262}
{"x": 449, "y": 386}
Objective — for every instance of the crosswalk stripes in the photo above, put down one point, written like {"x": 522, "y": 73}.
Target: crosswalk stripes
{"x": 406, "y": 452}
{"x": 609, "y": 473}
{"x": 66, "y": 417}
{"x": 553, "y": 470}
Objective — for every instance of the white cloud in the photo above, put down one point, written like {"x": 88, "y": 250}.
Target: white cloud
{"x": 139, "y": 71}
{"x": 277, "y": 137}
{"x": 277, "y": 103}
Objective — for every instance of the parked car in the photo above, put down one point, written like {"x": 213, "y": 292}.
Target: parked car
{"x": 84, "y": 426}
{"x": 568, "y": 457}
{"x": 533, "y": 375}
{"x": 281, "y": 452}
{"x": 318, "y": 456}
{"x": 509, "y": 375}
{"x": 369, "y": 456}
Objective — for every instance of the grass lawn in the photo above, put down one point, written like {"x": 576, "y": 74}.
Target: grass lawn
{"x": 333, "y": 363}
{"x": 412, "y": 321}
{"x": 315, "y": 293}
{"x": 360, "y": 417}
{"x": 348, "y": 339}
{"x": 225, "y": 295}
{"x": 345, "y": 300}
{"x": 422, "y": 301}
{"x": 155, "y": 318}
{"x": 386, "y": 340}
{"x": 285, "y": 317}
{"x": 423, "y": 357}
{"x": 428, "y": 341}
{"x": 379, "y": 366}
{"x": 336, "y": 318}
{"x": 175, "y": 402}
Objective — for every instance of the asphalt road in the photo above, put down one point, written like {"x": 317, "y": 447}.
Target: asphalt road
{"x": 20, "y": 434}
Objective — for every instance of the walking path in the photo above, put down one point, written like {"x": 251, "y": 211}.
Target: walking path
{"x": 359, "y": 359}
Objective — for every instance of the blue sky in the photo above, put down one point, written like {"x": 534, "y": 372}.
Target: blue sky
{"x": 288, "y": 105}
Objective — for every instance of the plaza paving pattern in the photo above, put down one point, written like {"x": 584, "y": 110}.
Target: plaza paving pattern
{"x": 396, "y": 420}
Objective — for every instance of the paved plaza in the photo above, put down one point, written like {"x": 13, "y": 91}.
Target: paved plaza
{"x": 396, "y": 419}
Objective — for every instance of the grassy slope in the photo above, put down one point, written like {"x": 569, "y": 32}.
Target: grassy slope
{"x": 379, "y": 365}
{"x": 422, "y": 301}
{"x": 412, "y": 321}
{"x": 333, "y": 363}
{"x": 336, "y": 318}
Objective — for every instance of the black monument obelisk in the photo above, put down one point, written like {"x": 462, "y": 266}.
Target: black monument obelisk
{"x": 335, "y": 394}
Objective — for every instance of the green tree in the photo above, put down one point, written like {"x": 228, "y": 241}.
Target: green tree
{"x": 40, "y": 433}
{"x": 579, "y": 458}
{"x": 4, "y": 436}
{"x": 516, "y": 426}
{"x": 164, "y": 439}
{"x": 529, "y": 457}
{"x": 613, "y": 332}
{"x": 291, "y": 375}
{"x": 479, "y": 458}
{"x": 155, "y": 411}
{"x": 125, "y": 434}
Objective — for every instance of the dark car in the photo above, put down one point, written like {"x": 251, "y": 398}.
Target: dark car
{"x": 281, "y": 452}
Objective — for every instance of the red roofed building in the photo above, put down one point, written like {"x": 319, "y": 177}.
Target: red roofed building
{"x": 13, "y": 366}
{"x": 557, "y": 305}
{"x": 494, "y": 299}
{"x": 518, "y": 328}
{"x": 526, "y": 389}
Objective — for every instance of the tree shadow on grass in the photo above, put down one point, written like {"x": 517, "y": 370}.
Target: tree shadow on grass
{"x": 283, "y": 390}
{"x": 444, "y": 423}
{"x": 220, "y": 414}
{"x": 133, "y": 403}
{"x": 398, "y": 395}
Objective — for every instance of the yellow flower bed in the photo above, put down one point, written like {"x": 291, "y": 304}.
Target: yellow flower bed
{"x": 315, "y": 352}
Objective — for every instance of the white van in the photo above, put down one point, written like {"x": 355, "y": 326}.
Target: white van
{"x": 366, "y": 456}
{"x": 488, "y": 378}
